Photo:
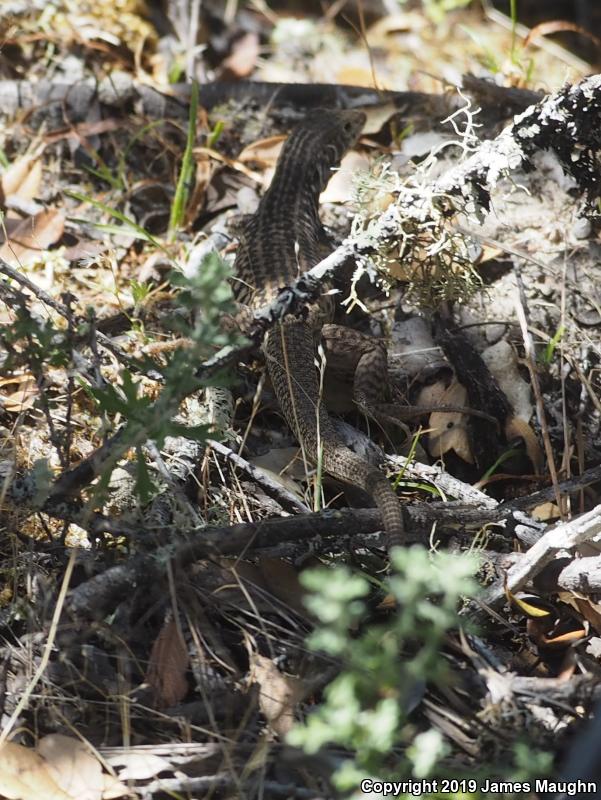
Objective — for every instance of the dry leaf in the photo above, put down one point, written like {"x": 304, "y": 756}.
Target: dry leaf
{"x": 449, "y": 429}
{"x": 32, "y": 236}
{"x": 355, "y": 76}
{"x": 72, "y": 766}
{"x": 590, "y": 610}
{"x": 516, "y": 428}
{"x": 278, "y": 693}
{"x": 243, "y": 58}
{"x": 167, "y": 667}
{"x": 387, "y": 603}
{"x": 23, "y": 178}
{"x": 84, "y": 130}
{"x": 84, "y": 250}
{"x": 282, "y": 464}
{"x": 559, "y": 26}
{"x": 377, "y": 117}
{"x": 234, "y": 163}
{"x": 403, "y": 21}
{"x": 545, "y": 512}
{"x": 23, "y": 395}
{"x": 138, "y": 766}
{"x": 490, "y": 253}
{"x": 263, "y": 155}
{"x": 501, "y": 360}
{"x": 340, "y": 188}
{"x": 432, "y": 393}
{"x": 205, "y": 169}
{"x": 7, "y": 226}
{"x": 113, "y": 788}
{"x": 24, "y": 775}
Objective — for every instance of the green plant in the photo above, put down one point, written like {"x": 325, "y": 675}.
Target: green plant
{"x": 505, "y": 456}
{"x": 438, "y": 9}
{"x": 182, "y": 190}
{"x": 547, "y": 355}
{"x": 365, "y": 711}
{"x": 104, "y": 172}
{"x": 366, "y": 708}
{"x": 40, "y": 345}
{"x": 208, "y": 298}
{"x": 128, "y": 225}
{"x": 214, "y": 135}
{"x": 488, "y": 57}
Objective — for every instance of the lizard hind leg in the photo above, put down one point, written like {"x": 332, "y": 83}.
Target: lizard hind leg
{"x": 289, "y": 350}
{"x": 361, "y": 360}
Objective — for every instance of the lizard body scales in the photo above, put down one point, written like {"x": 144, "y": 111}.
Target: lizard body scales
{"x": 283, "y": 239}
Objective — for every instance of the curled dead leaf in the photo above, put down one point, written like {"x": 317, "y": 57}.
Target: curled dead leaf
{"x": 448, "y": 430}
{"x": 24, "y": 775}
{"x": 516, "y": 428}
{"x": 19, "y": 393}
{"x": 168, "y": 665}
{"x": 559, "y": 26}
{"x": 243, "y": 58}
{"x": 278, "y": 693}
{"x": 32, "y": 236}
{"x": 22, "y": 179}
{"x": 72, "y": 766}
{"x": 263, "y": 153}
{"x": 340, "y": 186}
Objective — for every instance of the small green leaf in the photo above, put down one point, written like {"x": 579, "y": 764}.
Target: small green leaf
{"x": 130, "y": 224}
{"x": 182, "y": 190}
{"x": 213, "y": 137}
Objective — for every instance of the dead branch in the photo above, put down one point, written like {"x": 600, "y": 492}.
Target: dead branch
{"x": 564, "y": 536}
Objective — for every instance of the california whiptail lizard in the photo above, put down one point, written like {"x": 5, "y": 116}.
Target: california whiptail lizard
{"x": 283, "y": 239}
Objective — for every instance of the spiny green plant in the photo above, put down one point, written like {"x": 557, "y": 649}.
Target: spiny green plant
{"x": 38, "y": 345}
{"x": 208, "y": 298}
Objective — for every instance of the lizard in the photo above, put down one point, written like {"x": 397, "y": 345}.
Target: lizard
{"x": 283, "y": 239}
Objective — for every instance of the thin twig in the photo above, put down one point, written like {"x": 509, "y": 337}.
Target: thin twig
{"x": 540, "y": 405}
{"x": 47, "y": 649}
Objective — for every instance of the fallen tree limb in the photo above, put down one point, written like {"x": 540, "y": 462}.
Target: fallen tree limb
{"x": 564, "y": 536}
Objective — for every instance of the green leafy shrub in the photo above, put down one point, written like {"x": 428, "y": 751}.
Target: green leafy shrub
{"x": 366, "y": 708}
{"x": 208, "y": 298}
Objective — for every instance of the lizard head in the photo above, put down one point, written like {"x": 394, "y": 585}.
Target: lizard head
{"x": 322, "y": 139}
{"x": 313, "y": 149}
